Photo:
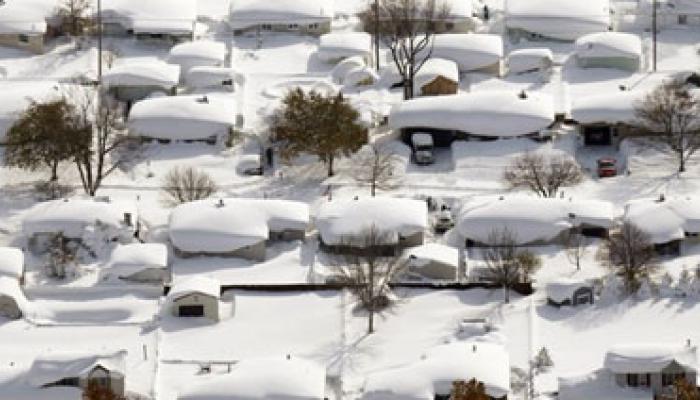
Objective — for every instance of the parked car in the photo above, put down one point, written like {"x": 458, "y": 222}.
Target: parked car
{"x": 607, "y": 167}
{"x": 422, "y": 148}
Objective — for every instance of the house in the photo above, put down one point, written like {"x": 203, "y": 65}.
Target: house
{"x": 635, "y": 371}
{"x": 235, "y": 227}
{"x": 569, "y": 292}
{"x": 170, "y": 21}
{"x": 195, "y": 297}
{"x": 342, "y": 223}
{"x": 18, "y": 95}
{"x": 530, "y": 60}
{"x": 671, "y": 14}
{"x": 133, "y": 81}
{"x": 604, "y": 119}
{"x": 531, "y": 220}
{"x": 79, "y": 371}
{"x": 202, "y": 118}
{"x": 337, "y": 46}
{"x": 486, "y": 114}
{"x": 199, "y": 53}
{"x": 141, "y": 262}
{"x": 23, "y": 23}
{"x": 473, "y": 52}
{"x": 609, "y": 50}
{"x": 76, "y": 218}
{"x": 562, "y": 20}
{"x": 436, "y": 77}
{"x": 307, "y": 17}
{"x": 13, "y": 302}
{"x": 431, "y": 261}
{"x": 668, "y": 222}
{"x": 267, "y": 378}
{"x": 431, "y": 376}
{"x": 459, "y": 16}
{"x": 213, "y": 79}
{"x": 12, "y": 263}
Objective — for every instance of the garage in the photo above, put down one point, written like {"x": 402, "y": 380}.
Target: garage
{"x": 191, "y": 311}
{"x": 597, "y": 135}
{"x": 195, "y": 297}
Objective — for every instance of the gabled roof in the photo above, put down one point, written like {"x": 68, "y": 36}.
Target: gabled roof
{"x": 54, "y": 367}
{"x": 197, "y": 284}
{"x": 433, "y": 68}
{"x": 649, "y": 357}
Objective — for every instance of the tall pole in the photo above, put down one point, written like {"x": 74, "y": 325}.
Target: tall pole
{"x": 653, "y": 32}
{"x": 376, "y": 34}
{"x": 99, "y": 42}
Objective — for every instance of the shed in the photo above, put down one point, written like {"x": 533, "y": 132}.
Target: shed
{"x": 270, "y": 378}
{"x": 207, "y": 118}
{"x": 153, "y": 20}
{"x": 530, "y": 60}
{"x": 432, "y": 261}
{"x": 569, "y": 292}
{"x": 609, "y": 50}
{"x": 134, "y": 81}
{"x": 565, "y": 20}
{"x": 200, "y": 53}
{"x": 309, "y": 16}
{"x": 13, "y": 302}
{"x": 437, "y": 77}
{"x": 337, "y": 46}
{"x": 195, "y": 297}
{"x": 472, "y": 52}
{"x": 604, "y": 118}
{"x": 12, "y": 263}
{"x": 212, "y": 78}
{"x": 141, "y": 262}
{"x": 23, "y": 24}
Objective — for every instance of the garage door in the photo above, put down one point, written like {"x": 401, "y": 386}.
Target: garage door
{"x": 191, "y": 311}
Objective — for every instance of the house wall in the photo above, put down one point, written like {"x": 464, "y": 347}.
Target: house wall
{"x": 287, "y": 235}
{"x": 116, "y": 380}
{"x": 516, "y": 34}
{"x": 254, "y": 252}
{"x": 439, "y": 86}
{"x": 34, "y": 43}
{"x": 9, "y": 308}
{"x": 211, "y": 304}
{"x": 624, "y": 63}
{"x": 135, "y": 93}
{"x": 413, "y": 240}
{"x": 656, "y": 378}
{"x": 436, "y": 270}
{"x": 302, "y": 28}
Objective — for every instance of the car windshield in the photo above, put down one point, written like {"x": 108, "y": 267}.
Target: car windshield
{"x": 606, "y": 163}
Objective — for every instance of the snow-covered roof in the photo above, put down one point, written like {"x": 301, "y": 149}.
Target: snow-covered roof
{"x": 288, "y": 378}
{"x": 140, "y": 255}
{"x": 470, "y": 51}
{"x": 561, "y": 289}
{"x": 523, "y": 60}
{"x": 152, "y": 16}
{"x": 528, "y": 218}
{"x": 433, "y": 68}
{"x": 432, "y": 252}
{"x": 664, "y": 221}
{"x": 599, "y": 385}
{"x": 338, "y": 45}
{"x": 246, "y": 13}
{"x": 201, "y": 50}
{"x": 10, "y": 287}
{"x": 609, "y": 44}
{"x": 615, "y": 107}
{"x": 183, "y": 117}
{"x": 342, "y": 219}
{"x": 559, "y": 19}
{"x": 72, "y": 216}
{"x": 487, "y": 113}
{"x": 11, "y": 262}
{"x": 195, "y": 284}
{"x": 340, "y": 71}
{"x": 209, "y": 77}
{"x": 27, "y": 17}
{"x": 142, "y": 73}
{"x": 649, "y": 357}
{"x": 206, "y": 226}
{"x": 54, "y": 367}
{"x": 435, "y": 372}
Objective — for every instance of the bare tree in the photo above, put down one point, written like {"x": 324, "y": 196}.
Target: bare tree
{"x": 544, "y": 175}
{"x": 376, "y": 168}
{"x": 182, "y": 185}
{"x": 671, "y": 115}
{"x": 630, "y": 254}
{"x": 406, "y": 28}
{"x": 76, "y": 17}
{"x": 506, "y": 264}
{"x": 576, "y": 247}
{"x": 62, "y": 254}
{"x": 369, "y": 270}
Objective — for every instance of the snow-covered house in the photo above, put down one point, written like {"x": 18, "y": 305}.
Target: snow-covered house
{"x": 235, "y": 227}
{"x": 199, "y": 53}
{"x": 481, "y": 114}
{"x": 23, "y": 23}
{"x": 208, "y": 118}
{"x": 212, "y": 78}
{"x": 671, "y": 13}
{"x": 342, "y": 223}
{"x": 336, "y": 46}
{"x": 431, "y": 261}
{"x": 80, "y": 370}
{"x": 310, "y": 16}
{"x": 76, "y": 219}
{"x": 473, "y": 52}
{"x": 141, "y": 262}
{"x": 431, "y": 376}
{"x": 530, "y": 60}
{"x": 12, "y": 263}
{"x": 556, "y": 19}
{"x": 531, "y": 220}
{"x": 269, "y": 378}
{"x": 160, "y": 20}
{"x": 569, "y": 292}
{"x": 603, "y": 119}
{"x": 668, "y": 222}
{"x": 437, "y": 76}
{"x": 195, "y": 297}
{"x": 134, "y": 81}
{"x": 13, "y": 302}
{"x": 609, "y": 50}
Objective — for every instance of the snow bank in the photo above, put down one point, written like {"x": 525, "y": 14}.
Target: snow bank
{"x": 615, "y": 107}
{"x": 11, "y": 262}
{"x": 140, "y": 255}
{"x": 338, "y": 220}
{"x": 488, "y": 113}
{"x": 433, "y": 68}
{"x": 338, "y": 45}
{"x": 664, "y": 221}
{"x": 187, "y": 117}
{"x": 640, "y": 358}
{"x": 432, "y": 252}
{"x": 247, "y": 13}
{"x": 435, "y": 372}
{"x": 609, "y": 44}
{"x": 198, "y": 53}
{"x": 196, "y": 284}
{"x": 360, "y": 76}
{"x": 340, "y": 71}
{"x": 526, "y": 60}
{"x": 142, "y": 73}
{"x": 210, "y": 77}
{"x": 54, "y": 367}
{"x": 471, "y": 51}
{"x": 558, "y": 19}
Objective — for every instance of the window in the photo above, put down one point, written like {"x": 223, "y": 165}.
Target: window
{"x": 191, "y": 311}
{"x": 292, "y": 27}
{"x": 632, "y": 380}
{"x": 23, "y": 38}
{"x": 266, "y": 27}
{"x": 683, "y": 19}
{"x": 313, "y": 26}
{"x": 644, "y": 380}
{"x": 449, "y": 26}
{"x": 669, "y": 379}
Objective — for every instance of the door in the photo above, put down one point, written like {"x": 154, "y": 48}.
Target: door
{"x": 191, "y": 311}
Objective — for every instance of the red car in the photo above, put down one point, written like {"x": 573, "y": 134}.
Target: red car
{"x": 607, "y": 167}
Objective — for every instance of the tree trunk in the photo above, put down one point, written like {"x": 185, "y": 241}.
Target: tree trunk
{"x": 374, "y": 187}
{"x": 54, "y": 172}
{"x": 407, "y": 87}
{"x": 506, "y": 293}
{"x": 330, "y": 166}
{"x": 370, "y": 321}
{"x": 681, "y": 164}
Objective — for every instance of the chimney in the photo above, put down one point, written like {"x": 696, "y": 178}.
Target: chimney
{"x": 522, "y": 95}
{"x": 289, "y": 356}
{"x": 662, "y": 198}
{"x": 688, "y": 343}
{"x": 220, "y": 203}
{"x": 473, "y": 348}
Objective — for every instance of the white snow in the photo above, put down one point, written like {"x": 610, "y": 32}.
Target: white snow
{"x": 433, "y": 68}
{"x": 11, "y": 262}
{"x": 421, "y": 255}
{"x": 51, "y": 368}
{"x": 246, "y": 13}
{"x": 559, "y": 19}
{"x": 142, "y": 255}
{"x": 612, "y": 107}
{"x": 152, "y": 16}
{"x": 598, "y": 385}
{"x": 609, "y": 44}
{"x": 339, "y": 45}
{"x": 142, "y": 73}
{"x": 210, "y": 77}
{"x": 27, "y": 17}
{"x": 197, "y": 53}
{"x": 341, "y": 70}
{"x": 649, "y": 357}
{"x": 9, "y": 287}
{"x": 471, "y": 51}
{"x": 664, "y": 221}
{"x": 17, "y": 95}
{"x": 197, "y": 284}
{"x": 525, "y": 60}
{"x": 562, "y": 289}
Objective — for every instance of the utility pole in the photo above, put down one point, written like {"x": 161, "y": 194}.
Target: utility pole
{"x": 653, "y": 32}
{"x": 376, "y": 34}
{"x": 99, "y": 42}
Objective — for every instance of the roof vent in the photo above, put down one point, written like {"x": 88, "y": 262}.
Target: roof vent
{"x": 204, "y": 100}
{"x": 522, "y": 95}
{"x": 661, "y": 199}
{"x": 473, "y": 348}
